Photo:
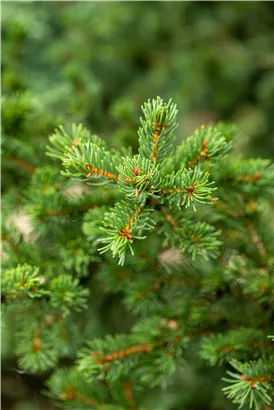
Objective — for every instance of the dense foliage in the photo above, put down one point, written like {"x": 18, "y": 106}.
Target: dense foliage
{"x": 193, "y": 296}
{"x": 142, "y": 273}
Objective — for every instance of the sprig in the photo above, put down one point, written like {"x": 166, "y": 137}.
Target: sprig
{"x": 187, "y": 186}
{"x": 251, "y": 384}
{"x": 22, "y": 281}
{"x": 91, "y": 163}
{"x": 208, "y": 143}
{"x": 63, "y": 142}
{"x": 122, "y": 224}
{"x": 139, "y": 178}
{"x": 157, "y": 131}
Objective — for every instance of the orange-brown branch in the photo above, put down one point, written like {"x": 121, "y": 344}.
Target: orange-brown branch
{"x": 155, "y": 148}
{"x": 72, "y": 394}
{"x": 224, "y": 208}
{"x": 126, "y": 231}
{"x": 172, "y": 191}
{"x": 256, "y": 380}
{"x": 111, "y": 357}
{"x": 232, "y": 348}
{"x": 169, "y": 218}
{"x": 37, "y": 341}
{"x": 203, "y": 155}
{"x": 21, "y": 162}
{"x": 128, "y": 394}
{"x": 158, "y": 130}
{"x": 190, "y": 190}
{"x": 250, "y": 178}
{"x": 98, "y": 171}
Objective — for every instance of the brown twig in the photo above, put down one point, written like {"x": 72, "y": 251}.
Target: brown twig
{"x": 24, "y": 164}
{"x": 98, "y": 171}
{"x": 249, "y": 178}
{"x": 169, "y": 218}
{"x": 72, "y": 394}
{"x": 255, "y": 381}
{"x": 111, "y": 357}
{"x": 203, "y": 155}
{"x": 126, "y": 231}
{"x": 173, "y": 191}
{"x": 128, "y": 393}
{"x": 158, "y": 130}
{"x": 37, "y": 341}
{"x": 232, "y": 348}
{"x": 224, "y": 208}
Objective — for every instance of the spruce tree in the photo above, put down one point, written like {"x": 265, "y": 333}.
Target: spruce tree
{"x": 137, "y": 265}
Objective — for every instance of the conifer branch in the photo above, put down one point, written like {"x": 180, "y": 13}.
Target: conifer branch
{"x": 111, "y": 357}
{"x": 223, "y": 207}
{"x": 84, "y": 155}
{"x": 252, "y": 176}
{"x": 157, "y": 131}
{"x": 123, "y": 224}
{"x": 121, "y": 354}
{"x": 128, "y": 393}
{"x": 62, "y": 142}
{"x": 139, "y": 178}
{"x": 197, "y": 238}
{"x": 206, "y": 144}
{"x": 22, "y": 163}
{"x": 92, "y": 164}
{"x": 186, "y": 187}
{"x": 251, "y": 384}
{"x": 74, "y": 391}
{"x": 222, "y": 347}
{"x": 170, "y": 219}
{"x": 72, "y": 394}
{"x": 225, "y": 303}
{"x": 22, "y": 281}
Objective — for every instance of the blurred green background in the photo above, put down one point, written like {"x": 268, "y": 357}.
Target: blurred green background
{"x": 97, "y": 62}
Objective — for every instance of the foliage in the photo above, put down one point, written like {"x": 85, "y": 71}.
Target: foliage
{"x": 190, "y": 220}
{"x": 214, "y": 274}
